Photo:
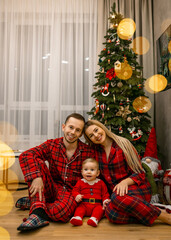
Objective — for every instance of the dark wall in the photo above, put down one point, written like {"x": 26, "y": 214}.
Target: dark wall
{"x": 162, "y": 114}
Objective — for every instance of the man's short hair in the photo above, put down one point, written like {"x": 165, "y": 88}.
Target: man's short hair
{"x": 75, "y": 115}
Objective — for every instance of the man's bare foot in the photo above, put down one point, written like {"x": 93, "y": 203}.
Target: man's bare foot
{"x": 165, "y": 217}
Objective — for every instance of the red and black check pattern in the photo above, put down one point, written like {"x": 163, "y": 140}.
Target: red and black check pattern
{"x": 134, "y": 206}
{"x": 58, "y": 179}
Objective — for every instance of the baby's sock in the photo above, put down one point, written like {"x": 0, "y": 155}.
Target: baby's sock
{"x": 92, "y": 222}
{"x": 76, "y": 221}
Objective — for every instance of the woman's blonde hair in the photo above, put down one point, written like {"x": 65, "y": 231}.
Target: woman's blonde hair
{"x": 130, "y": 152}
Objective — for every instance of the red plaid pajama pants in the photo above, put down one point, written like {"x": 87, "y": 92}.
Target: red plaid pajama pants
{"x": 57, "y": 201}
{"x": 133, "y": 207}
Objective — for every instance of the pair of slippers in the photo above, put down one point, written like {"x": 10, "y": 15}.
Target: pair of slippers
{"x": 33, "y": 221}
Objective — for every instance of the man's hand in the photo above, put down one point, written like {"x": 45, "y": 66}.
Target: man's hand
{"x": 78, "y": 198}
{"x": 36, "y": 186}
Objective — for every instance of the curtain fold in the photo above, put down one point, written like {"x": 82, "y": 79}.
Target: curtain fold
{"x": 48, "y": 70}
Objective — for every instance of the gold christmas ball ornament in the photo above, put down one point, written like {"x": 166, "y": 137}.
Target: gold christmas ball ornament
{"x": 142, "y": 104}
{"x": 129, "y": 119}
{"x": 125, "y": 72}
{"x": 119, "y": 84}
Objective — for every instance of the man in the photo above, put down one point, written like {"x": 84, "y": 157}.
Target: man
{"x": 50, "y": 187}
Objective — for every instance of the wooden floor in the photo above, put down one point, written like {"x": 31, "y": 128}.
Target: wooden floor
{"x": 65, "y": 231}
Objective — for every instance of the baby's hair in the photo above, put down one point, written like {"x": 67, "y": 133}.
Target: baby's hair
{"x": 92, "y": 160}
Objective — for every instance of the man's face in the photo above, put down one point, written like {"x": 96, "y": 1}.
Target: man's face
{"x": 72, "y": 129}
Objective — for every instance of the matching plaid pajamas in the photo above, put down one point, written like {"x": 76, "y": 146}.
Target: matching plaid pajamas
{"x": 134, "y": 206}
{"x": 58, "y": 178}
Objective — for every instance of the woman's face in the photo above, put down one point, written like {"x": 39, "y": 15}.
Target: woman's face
{"x": 96, "y": 134}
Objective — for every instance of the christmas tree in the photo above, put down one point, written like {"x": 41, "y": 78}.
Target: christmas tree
{"x": 120, "y": 101}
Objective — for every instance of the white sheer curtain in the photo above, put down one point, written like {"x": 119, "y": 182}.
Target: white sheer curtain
{"x": 47, "y": 66}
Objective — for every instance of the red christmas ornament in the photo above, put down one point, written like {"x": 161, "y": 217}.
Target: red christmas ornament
{"x": 151, "y": 146}
{"x": 105, "y": 91}
{"x": 110, "y": 74}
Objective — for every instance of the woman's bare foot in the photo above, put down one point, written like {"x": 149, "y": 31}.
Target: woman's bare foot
{"x": 165, "y": 217}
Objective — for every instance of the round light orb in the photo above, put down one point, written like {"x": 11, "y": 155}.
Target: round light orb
{"x": 6, "y": 205}
{"x": 8, "y": 132}
{"x": 7, "y": 156}
{"x": 169, "y": 64}
{"x": 126, "y": 28}
{"x": 169, "y": 46}
{"x": 140, "y": 45}
{"x": 157, "y": 83}
{"x": 142, "y": 104}
{"x": 4, "y": 234}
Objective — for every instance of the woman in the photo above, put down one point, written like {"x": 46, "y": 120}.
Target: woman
{"x": 123, "y": 174}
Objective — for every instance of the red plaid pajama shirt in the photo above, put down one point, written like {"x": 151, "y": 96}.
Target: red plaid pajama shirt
{"x": 59, "y": 178}
{"x": 134, "y": 206}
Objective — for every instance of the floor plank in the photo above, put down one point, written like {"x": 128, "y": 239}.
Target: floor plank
{"x": 65, "y": 231}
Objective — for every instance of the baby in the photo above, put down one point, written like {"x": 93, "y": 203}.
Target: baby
{"x": 91, "y": 193}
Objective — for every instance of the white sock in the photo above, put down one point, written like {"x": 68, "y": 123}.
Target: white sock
{"x": 94, "y": 220}
{"x": 76, "y": 217}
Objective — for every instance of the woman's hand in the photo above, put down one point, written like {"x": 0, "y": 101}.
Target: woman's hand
{"x": 122, "y": 187}
{"x": 78, "y": 198}
{"x": 36, "y": 186}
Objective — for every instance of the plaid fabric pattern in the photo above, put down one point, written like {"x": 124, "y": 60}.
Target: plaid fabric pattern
{"x": 58, "y": 179}
{"x": 23, "y": 203}
{"x": 33, "y": 222}
{"x": 134, "y": 206}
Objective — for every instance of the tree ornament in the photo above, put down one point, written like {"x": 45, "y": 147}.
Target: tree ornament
{"x": 139, "y": 85}
{"x": 127, "y": 101}
{"x": 110, "y": 74}
{"x": 105, "y": 91}
{"x": 137, "y": 118}
{"x": 120, "y": 84}
{"x": 97, "y": 105}
{"x": 135, "y": 135}
{"x": 129, "y": 119}
{"x": 125, "y": 72}
{"x": 113, "y": 84}
{"x": 120, "y": 130}
{"x": 114, "y": 98}
{"x": 102, "y": 70}
{"x": 108, "y": 51}
{"x": 104, "y": 49}
{"x": 121, "y": 102}
{"x": 108, "y": 108}
{"x": 108, "y": 61}
{"x": 117, "y": 65}
{"x": 103, "y": 107}
{"x": 123, "y": 112}
{"x": 117, "y": 41}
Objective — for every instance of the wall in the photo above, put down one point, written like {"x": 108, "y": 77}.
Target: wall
{"x": 162, "y": 19}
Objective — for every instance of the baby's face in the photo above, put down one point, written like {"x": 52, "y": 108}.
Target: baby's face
{"x": 90, "y": 171}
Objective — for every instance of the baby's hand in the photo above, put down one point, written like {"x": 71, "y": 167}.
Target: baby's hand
{"x": 78, "y": 198}
{"x": 105, "y": 203}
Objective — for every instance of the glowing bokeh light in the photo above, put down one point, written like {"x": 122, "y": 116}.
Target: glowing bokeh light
{"x": 125, "y": 72}
{"x": 169, "y": 64}
{"x": 8, "y": 132}
{"x": 12, "y": 181}
{"x": 4, "y": 234}
{"x": 6, "y": 205}
{"x": 142, "y": 104}
{"x": 3, "y": 192}
{"x": 7, "y": 156}
{"x": 156, "y": 83}
{"x": 140, "y": 45}
{"x": 169, "y": 46}
{"x": 126, "y": 28}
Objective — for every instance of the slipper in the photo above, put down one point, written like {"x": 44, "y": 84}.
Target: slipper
{"x": 32, "y": 223}
{"x": 23, "y": 203}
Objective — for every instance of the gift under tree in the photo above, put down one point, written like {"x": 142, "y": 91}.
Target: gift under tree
{"x": 120, "y": 101}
